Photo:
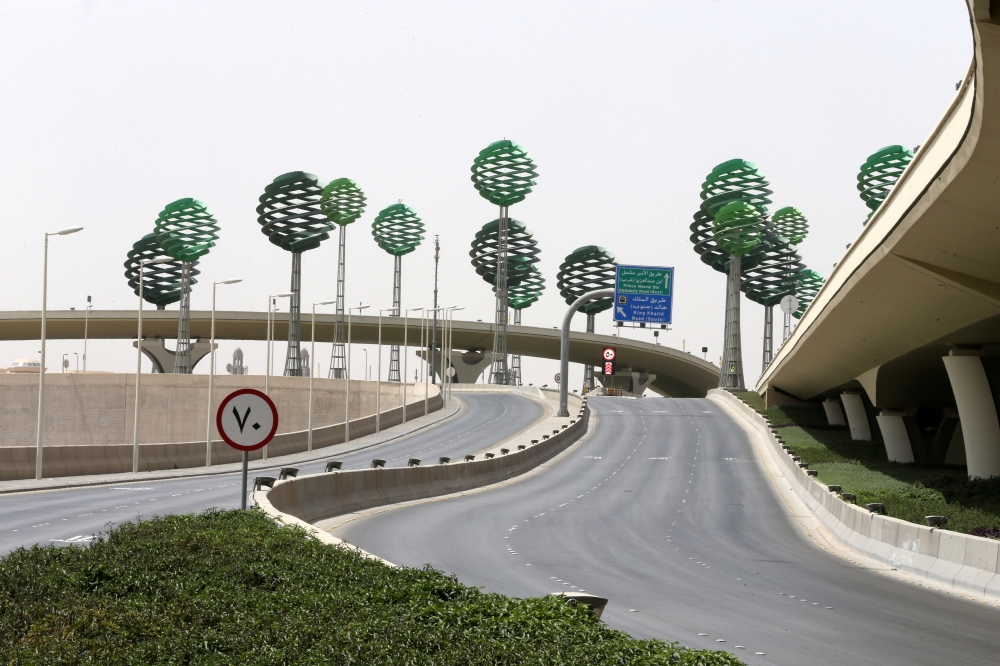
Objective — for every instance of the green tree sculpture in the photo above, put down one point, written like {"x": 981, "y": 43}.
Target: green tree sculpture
{"x": 806, "y": 287}
{"x": 186, "y": 231}
{"x": 397, "y": 230}
{"x": 522, "y": 295}
{"x": 504, "y": 174}
{"x": 738, "y": 229}
{"x": 771, "y": 280}
{"x": 161, "y": 281}
{"x": 585, "y": 269}
{"x": 291, "y": 217}
{"x": 343, "y": 202}
{"x": 522, "y": 252}
{"x": 879, "y": 173}
{"x": 790, "y": 224}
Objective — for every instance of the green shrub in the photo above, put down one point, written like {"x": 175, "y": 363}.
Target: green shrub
{"x": 232, "y": 587}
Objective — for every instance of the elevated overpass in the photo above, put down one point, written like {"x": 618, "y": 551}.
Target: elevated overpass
{"x": 678, "y": 374}
{"x": 910, "y": 317}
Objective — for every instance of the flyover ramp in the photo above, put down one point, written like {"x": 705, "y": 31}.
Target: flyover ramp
{"x": 678, "y": 374}
{"x": 924, "y": 274}
{"x": 72, "y": 515}
{"x": 666, "y": 510}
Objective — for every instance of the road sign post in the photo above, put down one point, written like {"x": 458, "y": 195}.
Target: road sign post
{"x": 247, "y": 420}
{"x": 608, "y": 357}
{"x": 644, "y": 295}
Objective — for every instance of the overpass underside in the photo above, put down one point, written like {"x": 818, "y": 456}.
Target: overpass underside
{"x": 905, "y": 335}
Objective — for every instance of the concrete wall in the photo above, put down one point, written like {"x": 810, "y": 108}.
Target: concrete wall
{"x": 99, "y": 409}
{"x": 312, "y": 498}
{"x": 84, "y": 418}
{"x": 952, "y": 558}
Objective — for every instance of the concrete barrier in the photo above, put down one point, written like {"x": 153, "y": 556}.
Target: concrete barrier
{"x": 962, "y": 560}
{"x": 308, "y": 499}
{"x": 18, "y": 462}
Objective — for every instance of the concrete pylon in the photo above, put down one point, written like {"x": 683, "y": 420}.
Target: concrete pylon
{"x": 976, "y": 410}
{"x": 895, "y": 436}
{"x": 834, "y": 414}
{"x": 857, "y": 418}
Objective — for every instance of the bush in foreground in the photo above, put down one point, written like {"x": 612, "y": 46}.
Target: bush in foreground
{"x": 232, "y": 587}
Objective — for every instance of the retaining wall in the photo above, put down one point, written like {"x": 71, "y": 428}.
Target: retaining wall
{"x": 965, "y": 561}
{"x": 312, "y": 498}
{"x": 18, "y": 462}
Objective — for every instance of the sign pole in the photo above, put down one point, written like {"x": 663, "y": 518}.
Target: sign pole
{"x": 246, "y": 460}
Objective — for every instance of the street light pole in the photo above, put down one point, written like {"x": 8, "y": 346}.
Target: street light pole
{"x": 41, "y": 369}
{"x": 406, "y": 351}
{"x": 86, "y": 327}
{"x": 312, "y": 374}
{"x": 347, "y": 402}
{"x": 211, "y": 376}
{"x": 270, "y": 335}
{"x": 424, "y": 339}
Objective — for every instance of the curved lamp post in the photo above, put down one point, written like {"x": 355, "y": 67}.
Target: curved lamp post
{"x": 41, "y": 369}
{"x": 186, "y": 231}
{"x": 291, "y": 217}
{"x": 737, "y": 229}
{"x": 141, "y": 280}
{"x": 504, "y": 174}
{"x": 879, "y": 174}
{"x": 211, "y": 375}
{"x": 586, "y": 269}
{"x": 398, "y": 230}
{"x": 343, "y": 202}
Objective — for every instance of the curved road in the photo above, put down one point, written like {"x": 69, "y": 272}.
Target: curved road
{"x": 75, "y": 515}
{"x": 666, "y": 511}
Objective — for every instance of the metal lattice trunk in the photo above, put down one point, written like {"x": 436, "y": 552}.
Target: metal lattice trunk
{"x": 293, "y": 360}
{"x": 338, "y": 356}
{"x": 396, "y": 294}
{"x": 588, "y": 369}
{"x": 768, "y": 337}
{"x": 515, "y": 359}
{"x": 182, "y": 359}
{"x": 498, "y": 370}
{"x": 731, "y": 372}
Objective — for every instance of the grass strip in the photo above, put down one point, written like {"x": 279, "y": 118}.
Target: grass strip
{"x": 233, "y": 587}
{"x": 909, "y": 492}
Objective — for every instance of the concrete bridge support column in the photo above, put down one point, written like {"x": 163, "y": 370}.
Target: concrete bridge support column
{"x": 896, "y": 436}
{"x": 976, "y": 410}
{"x": 834, "y": 414}
{"x": 857, "y": 418}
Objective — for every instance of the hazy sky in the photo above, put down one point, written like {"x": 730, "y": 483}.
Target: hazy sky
{"x": 110, "y": 110}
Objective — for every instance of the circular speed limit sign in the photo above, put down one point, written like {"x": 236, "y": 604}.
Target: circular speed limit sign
{"x": 247, "y": 419}
{"x": 609, "y": 353}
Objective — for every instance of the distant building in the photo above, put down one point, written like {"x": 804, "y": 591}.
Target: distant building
{"x": 25, "y": 365}
{"x": 237, "y": 367}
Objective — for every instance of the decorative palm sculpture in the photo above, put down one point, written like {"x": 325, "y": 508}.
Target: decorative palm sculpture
{"x": 504, "y": 174}
{"x": 291, "y": 217}
{"x": 790, "y": 224}
{"x": 522, "y": 275}
{"x": 522, "y": 252}
{"x": 806, "y": 288}
{"x": 342, "y": 202}
{"x": 584, "y": 270}
{"x": 161, "y": 281}
{"x": 521, "y": 295}
{"x": 397, "y": 230}
{"x": 880, "y": 172}
{"x": 738, "y": 229}
{"x": 770, "y": 281}
{"x": 186, "y": 231}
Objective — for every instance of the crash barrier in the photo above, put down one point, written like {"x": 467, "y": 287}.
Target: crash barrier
{"x": 319, "y": 496}
{"x": 951, "y": 558}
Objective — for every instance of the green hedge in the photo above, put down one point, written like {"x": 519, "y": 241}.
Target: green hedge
{"x": 232, "y": 587}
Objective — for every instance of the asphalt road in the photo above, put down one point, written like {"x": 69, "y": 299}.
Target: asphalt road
{"x": 666, "y": 512}
{"x": 76, "y": 515}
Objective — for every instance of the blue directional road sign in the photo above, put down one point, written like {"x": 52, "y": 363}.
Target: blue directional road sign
{"x": 644, "y": 294}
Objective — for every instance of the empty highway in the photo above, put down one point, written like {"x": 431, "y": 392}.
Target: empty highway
{"x": 666, "y": 511}
{"x": 76, "y": 515}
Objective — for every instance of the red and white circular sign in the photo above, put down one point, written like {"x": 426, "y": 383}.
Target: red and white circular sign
{"x": 247, "y": 419}
{"x": 609, "y": 353}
